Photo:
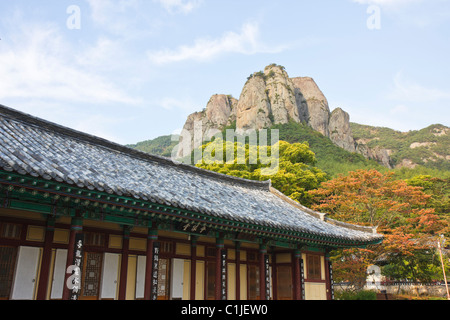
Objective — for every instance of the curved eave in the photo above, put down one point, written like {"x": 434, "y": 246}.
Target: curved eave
{"x": 130, "y": 210}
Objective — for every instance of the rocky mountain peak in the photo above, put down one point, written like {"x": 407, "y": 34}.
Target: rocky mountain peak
{"x": 220, "y": 112}
{"x": 271, "y": 97}
{"x": 314, "y": 105}
{"x": 339, "y": 130}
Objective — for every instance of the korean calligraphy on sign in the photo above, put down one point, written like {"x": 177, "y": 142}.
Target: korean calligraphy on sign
{"x": 302, "y": 279}
{"x": 192, "y": 228}
{"x": 155, "y": 270}
{"x": 330, "y": 268}
{"x": 223, "y": 274}
{"x": 74, "y": 281}
{"x": 267, "y": 276}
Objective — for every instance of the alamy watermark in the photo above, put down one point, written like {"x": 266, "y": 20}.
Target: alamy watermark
{"x": 248, "y": 147}
{"x": 73, "y": 22}
{"x": 374, "y": 20}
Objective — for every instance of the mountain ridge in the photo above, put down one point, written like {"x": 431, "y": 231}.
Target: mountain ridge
{"x": 271, "y": 98}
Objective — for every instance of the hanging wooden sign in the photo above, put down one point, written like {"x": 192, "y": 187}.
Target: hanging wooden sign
{"x": 330, "y": 268}
{"x": 191, "y": 227}
{"x": 155, "y": 270}
{"x": 223, "y": 275}
{"x": 74, "y": 281}
{"x": 302, "y": 279}
{"x": 267, "y": 276}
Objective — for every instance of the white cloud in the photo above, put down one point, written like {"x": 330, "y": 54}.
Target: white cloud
{"x": 37, "y": 63}
{"x": 179, "y": 6}
{"x": 405, "y": 90}
{"x": 246, "y": 42}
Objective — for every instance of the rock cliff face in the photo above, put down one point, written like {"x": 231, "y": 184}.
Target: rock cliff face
{"x": 253, "y": 109}
{"x": 219, "y": 113}
{"x": 339, "y": 130}
{"x": 313, "y": 105}
{"x": 271, "y": 97}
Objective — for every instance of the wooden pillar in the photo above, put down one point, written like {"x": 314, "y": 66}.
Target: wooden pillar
{"x": 151, "y": 238}
{"x": 297, "y": 275}
{"x": 124, "y": 263}
{"x": 238, "y": 270}
{"x": 219, "y": 248}
{"x": 262, "y": 272}
{"x": 193, "y": 266}
{"x": 46, "y": 259}
{"x": 75, "y": 228}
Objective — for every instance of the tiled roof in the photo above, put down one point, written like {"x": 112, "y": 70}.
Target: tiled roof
{"x": 32, "y": 146}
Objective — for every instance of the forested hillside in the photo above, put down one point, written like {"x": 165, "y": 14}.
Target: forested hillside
{"x": 161, "y": 146}
{"x": 429, "y": 153}
{"x": 428, "y": 147}
{"x": 410, "y": 205}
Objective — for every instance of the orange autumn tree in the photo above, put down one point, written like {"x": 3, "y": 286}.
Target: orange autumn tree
{"x": 399, "y": 210}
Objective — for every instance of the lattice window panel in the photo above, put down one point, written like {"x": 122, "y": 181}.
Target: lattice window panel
{"x": 93, "y": 265}
{"x": 7, "y": 264}
{"x": 163, "y": 278}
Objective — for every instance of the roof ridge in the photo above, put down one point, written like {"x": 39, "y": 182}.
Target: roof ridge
{"x": 29, "y": 119}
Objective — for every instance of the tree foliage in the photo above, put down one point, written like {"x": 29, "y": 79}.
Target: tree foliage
{"x": 291, "y": 169}
{"x": 402, "y": 213}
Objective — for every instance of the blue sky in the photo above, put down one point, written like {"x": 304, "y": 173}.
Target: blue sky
{"x": 132, "y": 70}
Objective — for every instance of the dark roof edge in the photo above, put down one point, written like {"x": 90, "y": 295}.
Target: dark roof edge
{"x": 322, "y": 216}
{"x": 372, "y": 230}
{"x": 82, "y": 136}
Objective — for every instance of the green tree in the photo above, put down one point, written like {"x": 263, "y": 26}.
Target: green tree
{"x": 438, "y": 189}
{"x": 291, "y": 169}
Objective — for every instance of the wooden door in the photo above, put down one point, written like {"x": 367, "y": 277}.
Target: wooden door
{"x": 177, "y": 279}
{"x": 92, "y": 267}
{"x": 8, "y": 256}
{"x": 163, "y": 279}
{"x": 25, "y": 277}
{"x": 211, "y": 280}
{"x": 253, "y": 283}
{"x": 200, "y": 280}
{"x": 284, "y": 283}
{"x": 110, "y": 276}
{"x": 140, "y": 277}
{"x": 59, "y": 274}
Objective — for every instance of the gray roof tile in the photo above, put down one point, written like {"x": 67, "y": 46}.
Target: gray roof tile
{"x": 40, "y": 148}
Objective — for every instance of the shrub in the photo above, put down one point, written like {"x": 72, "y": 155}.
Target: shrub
{"x": 359, "y": 295}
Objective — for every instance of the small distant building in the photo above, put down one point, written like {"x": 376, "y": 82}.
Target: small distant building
{"x": 85, "y": 218}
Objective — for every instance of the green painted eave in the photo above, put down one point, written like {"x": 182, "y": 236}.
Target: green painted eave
{"x": 60, "y": 199}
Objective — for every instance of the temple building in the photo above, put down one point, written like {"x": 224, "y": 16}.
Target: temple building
{"x": 85, "y": 218}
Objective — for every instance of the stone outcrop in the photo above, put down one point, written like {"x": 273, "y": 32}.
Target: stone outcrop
{"x": 219, "y": 113}
{"x": 267, "y": 98}
{"x": 339, "y": 130}
{"x": 381, "y": 155}
{"x": 283, "y": 97}
{"x": 271, "y": 97}
{"x": 313, "y": 105}
{"x": 253, "y": 109}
